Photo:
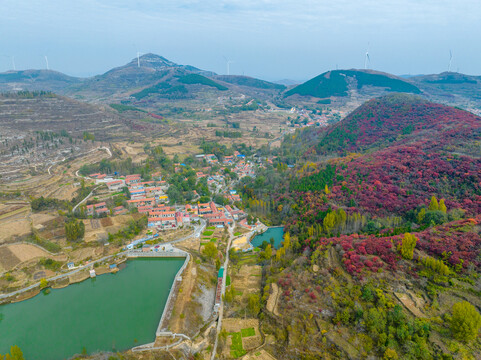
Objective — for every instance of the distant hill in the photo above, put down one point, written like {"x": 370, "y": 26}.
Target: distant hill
{"x": 450, "y": 85}
{"x": 153, "y": 69}
{"x": 35, "y": 80}
{"x": 384, "y": 121}
{"x": 249, "y": 82}
{"x": 339, "y": 82}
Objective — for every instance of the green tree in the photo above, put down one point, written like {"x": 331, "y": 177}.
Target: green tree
{"x": 442, "y": 206}
{"x": 433, "y": 205}
{"x": 465, "y": 321}
{"x": 210, "y": 250}
{"x": 74, "y": 230}
{"x": 254, "y": 305}
{"x": 407, "y": 246}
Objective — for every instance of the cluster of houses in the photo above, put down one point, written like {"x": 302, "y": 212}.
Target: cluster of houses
{"x": 144, "y": 195}
{"x": 149, "y": 197}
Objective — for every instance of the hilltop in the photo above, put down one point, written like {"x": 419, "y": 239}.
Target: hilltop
{"x": 339, "y": 83}
{"x": 36, "y": 80}
{"x": 385, "y": 121}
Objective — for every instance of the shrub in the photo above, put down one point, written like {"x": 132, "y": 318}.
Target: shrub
{"x": 465, "y": 321}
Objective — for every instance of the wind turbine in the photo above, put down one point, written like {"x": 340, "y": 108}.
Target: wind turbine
{"x": 46, "y": 62}
{"x": 228, "y": 62}
{"x": 367, "y": 58}
{"x": 13, "y": 63}
{"x": 138, "y": 59}
{"x": 450, "y": 60}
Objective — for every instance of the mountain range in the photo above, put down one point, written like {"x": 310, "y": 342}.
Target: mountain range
{"x": 152, "y": 78}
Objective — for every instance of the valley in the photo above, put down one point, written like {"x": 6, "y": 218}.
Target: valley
{"x": 335, "y": 219}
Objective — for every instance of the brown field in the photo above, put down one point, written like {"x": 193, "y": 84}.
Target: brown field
{"x": 247, "y": 280}
{"x": 8, "y": 260}
{"x": 42, "y": 218}
{"x": 95, "y": 230}
{"x": 15, "y": 254}
{"x": 25, "y": 252}
{"x": 83, "y": 254}
{"x": 13, "y": 227}
{"x": 259, "y": 355}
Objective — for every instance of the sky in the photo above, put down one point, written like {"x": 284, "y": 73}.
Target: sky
{"x": 268, "y": 39}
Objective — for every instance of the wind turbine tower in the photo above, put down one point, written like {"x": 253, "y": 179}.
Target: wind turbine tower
{"x": 138, "y": 59}
{"x": 367, "y": 59}
{"x": 13, "y": 63}
{"x": 46, "y": 62}
{"x": 450, "y": 60}
{"x": 228, "y": 62}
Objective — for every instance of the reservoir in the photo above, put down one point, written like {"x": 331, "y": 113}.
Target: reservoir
{"x": 274, "y": 232}
{"x": 110, "y": 312}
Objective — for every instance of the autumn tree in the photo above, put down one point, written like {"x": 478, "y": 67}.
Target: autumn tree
{"x": 287, "y": 240}
{"x": 433, "y": 205}
{"x": 442, "y": 206}
{"x": 267, "y": 253}
{"x": 421, "y": 215}
{"x": 43, "y": 283}
{"x": 15, "y": 354}
{"x": 407, "y": 246}
{"x": 465, "y": 321}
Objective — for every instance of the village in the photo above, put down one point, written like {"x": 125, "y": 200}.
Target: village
{"x": 151, "y": 197}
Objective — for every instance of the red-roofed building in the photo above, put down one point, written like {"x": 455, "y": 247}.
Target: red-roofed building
{"x": 120, "y": 210}
{"x": 115, "y": 185}
{"x": 145, "y": 209}
{"x": 141, "y": 202}
{"x": 100, "y": 208}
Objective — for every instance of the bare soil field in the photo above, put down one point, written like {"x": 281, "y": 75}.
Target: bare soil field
{"x": 41, "y": 218}
{"x": 26, "y": 252}
{"x": 272, "y": 300}
{"x": 247, "y": 280}
{"x": 95, "y": 229}
{"x": 8, "y": 260}
{"x": 84, "y": 254}
{"x": 259, "y": 355}
{"x": 14, "y": 227}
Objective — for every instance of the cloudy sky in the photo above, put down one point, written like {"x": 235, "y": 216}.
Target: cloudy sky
{"x": 270, "y": 39}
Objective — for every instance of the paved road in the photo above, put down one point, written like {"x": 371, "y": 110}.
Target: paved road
{"x": 85, "y": 199}
{"x": 197, "y": 230}
{"x": 221, "y": 308}
{"x": 2, "y": 296}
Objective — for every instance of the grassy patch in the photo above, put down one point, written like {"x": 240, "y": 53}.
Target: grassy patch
{"x": 227, "y": 281}
{"x": 207, "y": 233}
{"x": 248, "y": 332}
{"x": 199, "y": 79}
{"x": 213, "y": 240}
{"x": 237, "y": 234}
{"x": 210, "y": 227}
{"x": 236, "y": 349}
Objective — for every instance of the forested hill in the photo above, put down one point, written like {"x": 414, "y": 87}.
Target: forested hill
{"x": 339, "y": 82}
{"x": 402, "y": 118}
